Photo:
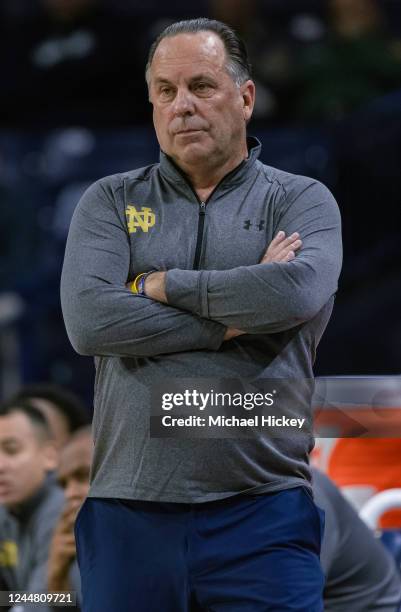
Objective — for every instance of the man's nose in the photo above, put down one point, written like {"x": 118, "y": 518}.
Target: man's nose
{"x": 184, "y": 102}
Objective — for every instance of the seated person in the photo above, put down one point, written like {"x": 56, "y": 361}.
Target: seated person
{"x": 73, "y": 476}
{"x": 30, "y": 499}
{"x": 360, "y": 574}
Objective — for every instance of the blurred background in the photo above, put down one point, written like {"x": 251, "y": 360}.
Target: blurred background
{"x": 74, "y": 108}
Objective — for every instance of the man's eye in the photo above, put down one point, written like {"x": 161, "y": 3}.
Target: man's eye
{"x": 202, "y": 87}
{"x": 12, "y": 449}
{"x": 166, "y": 92}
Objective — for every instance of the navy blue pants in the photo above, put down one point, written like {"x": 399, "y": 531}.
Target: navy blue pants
{"x": 242, "y": 554}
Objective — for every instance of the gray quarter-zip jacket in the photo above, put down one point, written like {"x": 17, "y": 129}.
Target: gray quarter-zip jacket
{"x": 25, "y": 538}
{"x": 151, "y": 218}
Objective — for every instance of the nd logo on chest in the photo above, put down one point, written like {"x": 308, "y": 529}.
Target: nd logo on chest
{"x": 139, "y": 220}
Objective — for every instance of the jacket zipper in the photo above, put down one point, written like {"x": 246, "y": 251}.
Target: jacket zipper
{"x": 202, "y": 213}
{"x": 199, "y": 238}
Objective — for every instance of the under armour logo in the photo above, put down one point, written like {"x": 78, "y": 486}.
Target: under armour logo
{"x": 139, "y": 220}
{"x": 260, "y": 226}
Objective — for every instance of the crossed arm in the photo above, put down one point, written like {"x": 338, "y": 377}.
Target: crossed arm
{"x": 274, "y": 295}
{"x": 203, "y": 308}
{"x": 281, "y": 249}
{"x": 101, "y": 315}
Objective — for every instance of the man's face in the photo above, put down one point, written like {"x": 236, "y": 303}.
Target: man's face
{"x": 199, "y": 112}
{"x": 25, "y": 458}
{"x": 73, "y": 470}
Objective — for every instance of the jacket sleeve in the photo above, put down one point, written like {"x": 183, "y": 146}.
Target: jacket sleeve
{"x": 101, "y": 315}
{"x": 268, "y": 298}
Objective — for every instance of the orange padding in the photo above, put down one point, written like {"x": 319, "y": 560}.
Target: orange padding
{"x": 370, "y": 462}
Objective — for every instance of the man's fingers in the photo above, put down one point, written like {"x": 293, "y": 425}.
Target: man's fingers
{"x": 296, "y": 245}
{"x": 281, "y": 252}
{"x": 281, "y": 238}
{"x": 277, "y": 239}
{"x": 294, "y": 237}
{"x": 286, "y": 255}
{"x": 66, "y": 550}
{"x": 281, "y": 242}
{"x": 290, "y": 255}
{"x": 66, "y": 539}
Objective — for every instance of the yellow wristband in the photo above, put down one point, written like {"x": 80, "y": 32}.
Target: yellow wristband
{"x": 134, "y": 285}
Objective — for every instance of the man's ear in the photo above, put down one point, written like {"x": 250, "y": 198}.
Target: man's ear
{"x": 51, "y": 456}
{"x": 248, "y": 91}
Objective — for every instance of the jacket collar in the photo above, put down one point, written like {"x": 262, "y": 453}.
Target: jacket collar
{"x": 170, "y": 170}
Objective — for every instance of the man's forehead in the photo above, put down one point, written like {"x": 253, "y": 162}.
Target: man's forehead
{"x": 69, "y": 467}
{"x": 16, "y": 425}
{"x": 197, "y": 50}
{"x": 75, "y": 455}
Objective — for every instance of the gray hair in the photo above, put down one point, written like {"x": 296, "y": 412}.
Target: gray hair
{"x": 237, "y": 65}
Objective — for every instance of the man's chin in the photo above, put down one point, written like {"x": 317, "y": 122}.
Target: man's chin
{"x": 193, "y": 154}
{"x": 10, "y": 500}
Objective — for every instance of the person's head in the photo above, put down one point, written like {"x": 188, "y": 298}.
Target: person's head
{"x": 74, "y": 467}
{"x": 202, "y": 94}
{"x": 63, "y": 410}
{"x": 27, "y": 453}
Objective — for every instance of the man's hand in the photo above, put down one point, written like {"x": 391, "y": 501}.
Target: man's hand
{"x": 155, "y": 286}
{"x": 232, "y": 333}
{"x": 281, "y": 249}
{"x": 62, "y": 551}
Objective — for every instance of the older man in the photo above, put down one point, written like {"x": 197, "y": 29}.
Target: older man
{"x": 192, "y": 269}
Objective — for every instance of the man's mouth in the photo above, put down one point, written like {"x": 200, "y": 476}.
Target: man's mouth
{"x": 191, "y": 131}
